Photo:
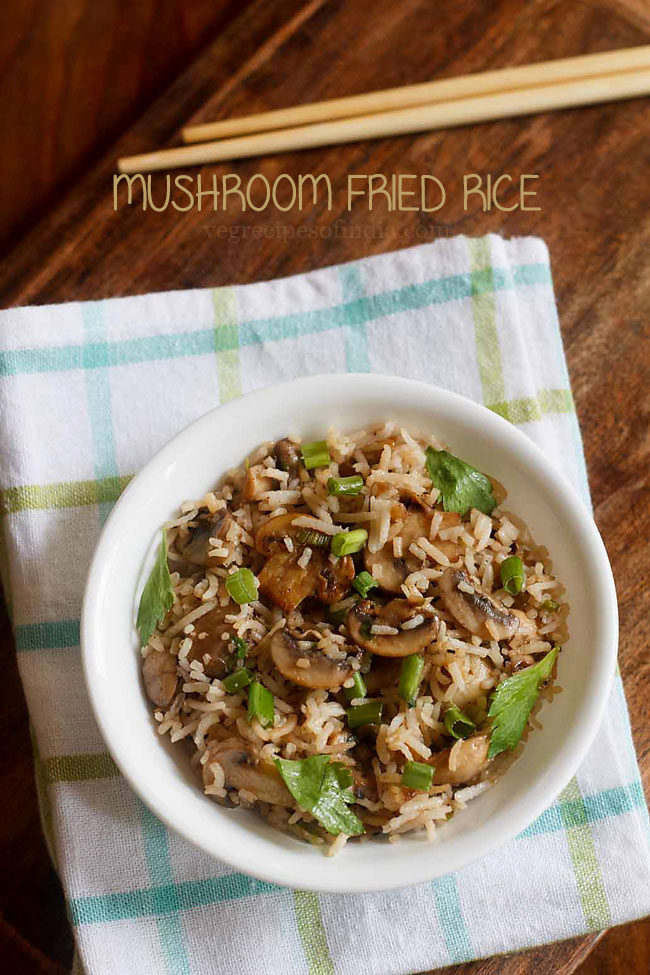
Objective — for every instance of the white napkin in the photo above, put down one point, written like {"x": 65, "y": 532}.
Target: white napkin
{"x": 88, "y": 392}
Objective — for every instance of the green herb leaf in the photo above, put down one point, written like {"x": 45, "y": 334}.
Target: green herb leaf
{"x": 322, "y": 788}
{"x": 512, "y": 702}
{"x": 461, "y": 486}
{"x": 157, "y": 597}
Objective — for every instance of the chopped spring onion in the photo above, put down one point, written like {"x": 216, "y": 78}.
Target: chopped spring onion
{"x": 367, "y": 713}
{"x": 315, "y": 454}
{"x": 512, "y": 575}
{"x": 242, "y": 586}
{"x": 347, "y": 486}
{"x": 550, "y": 605}
{"x": 260, "y": 704}
{"x": 336, "y": 617}
{"x": 347, "y": 543}
{"x": 358, "y": 688}
{"x": 410, "y": 677}
{"x": 458, "y": 724}
{"x": 363, "y": 583}
{"x": 240, "y": 647}
{"x": 315, "y": 539}
{"x": 417, "y": 775}
{"x": 237, "y": 681}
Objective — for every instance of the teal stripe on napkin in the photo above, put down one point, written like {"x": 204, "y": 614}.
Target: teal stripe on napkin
{"x": 450, "y": 304}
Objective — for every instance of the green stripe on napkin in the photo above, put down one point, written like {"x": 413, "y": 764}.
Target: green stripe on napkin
{"x": 312, "y": 933}
{"x": 441, "y": 312}
{"x": 226, "y": 339}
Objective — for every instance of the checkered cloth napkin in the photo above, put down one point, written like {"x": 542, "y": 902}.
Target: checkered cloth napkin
{"x": 88, "y": 393}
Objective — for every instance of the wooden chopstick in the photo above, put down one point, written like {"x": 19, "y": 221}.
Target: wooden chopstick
{"x": 463, "y": 111}
{"x": 408, "y": 96}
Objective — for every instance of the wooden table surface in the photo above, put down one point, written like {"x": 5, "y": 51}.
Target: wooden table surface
{"x": 76, "y": 74}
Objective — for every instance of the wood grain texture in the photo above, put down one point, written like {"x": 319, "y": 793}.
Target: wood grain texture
{"x": 73, "y": 74}
{"x": 34, "y": 935}
{"x": 594, "y": 195}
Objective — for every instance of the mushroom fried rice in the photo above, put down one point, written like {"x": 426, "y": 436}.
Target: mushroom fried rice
{"x": 350, "y": 635}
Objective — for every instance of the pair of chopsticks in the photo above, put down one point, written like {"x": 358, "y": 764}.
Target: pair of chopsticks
{"x": 546, "y": 86}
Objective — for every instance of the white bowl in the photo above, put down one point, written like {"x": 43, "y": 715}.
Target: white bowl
{"x": 189, "y": 465}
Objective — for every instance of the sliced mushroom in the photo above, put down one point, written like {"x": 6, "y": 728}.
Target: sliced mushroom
{"x": 160, "y": 678}
{"x": 475, "y": 609}
{"x": 241, "y": 771}
{"x": 274, "y": 531}
{"x": 384, "y": 673}
{"x": 321, "y": 671}
{"x": 217, "y": 645}
{"x": 256, "y": 483}
{"x": 364, "y": 785}
{"x": 196, "y": 545}
{"x": 483, "y": 672}
{"x": 365, "y": 614}
{"x": 389, "y": 571}
{"x": 470, "y": 758}
{"x": 285, "y": 582}
{"x": 373, "y": 451}
{"x": 334, "y": 580}
{"x": 287, "y": 456}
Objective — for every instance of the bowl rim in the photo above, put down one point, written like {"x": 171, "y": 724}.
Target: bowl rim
{"x": 561, "y": 768}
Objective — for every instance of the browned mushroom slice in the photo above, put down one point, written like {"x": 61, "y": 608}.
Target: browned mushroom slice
{"x": 241, "y": 771}
{"x": 275, "y": 530}
{"x": 334, "y": 580}
{"x": 475, "y": 609}
{"x": 401, "y": 643}
{"x": 418, "y": 524}
{"x": 373, "y": 452}
{"x": 256, "y": 483}
{"x": 285, "y": 582}
{"x": 484, "y": 673}
{"x": 195, "y": 547}
{"x": 287, "y": 456}
{"x": 160, "y": 678}
{"x": 308, "y": 668}
{"x": 383, "y": 674}
{"x": 390, "y": 571}
{"x": 217, "y": 645}
{"x": 364, "y": 785}
{"x": 470, "y": 758}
